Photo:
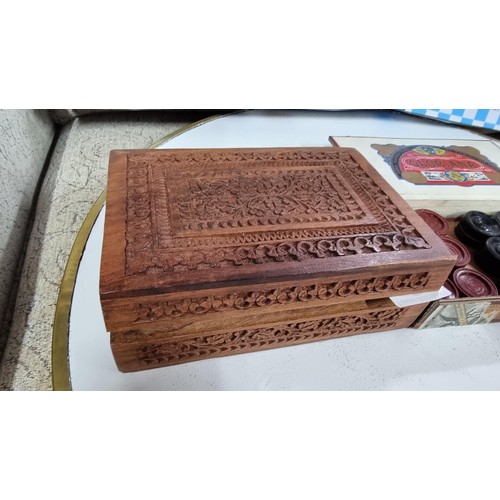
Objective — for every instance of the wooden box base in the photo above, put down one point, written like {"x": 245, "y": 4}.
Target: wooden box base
{"x": 135, "y": 350}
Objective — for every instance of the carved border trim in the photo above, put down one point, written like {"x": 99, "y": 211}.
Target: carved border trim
{"x": 160, "y": 310}
{"x": 162, "y": 354}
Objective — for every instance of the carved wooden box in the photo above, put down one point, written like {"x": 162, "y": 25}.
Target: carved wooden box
{"x": 223, "y": 251}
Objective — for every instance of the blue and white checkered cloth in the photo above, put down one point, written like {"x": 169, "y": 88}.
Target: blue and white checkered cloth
{"x": 483, "y": 118}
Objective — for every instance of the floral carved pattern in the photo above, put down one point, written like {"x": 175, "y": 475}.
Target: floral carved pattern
{"x": 159, "y": 310}
{"x": 317, "y": 205}
{"x": 162, "y": 354}
{"x": 253, "y": 199}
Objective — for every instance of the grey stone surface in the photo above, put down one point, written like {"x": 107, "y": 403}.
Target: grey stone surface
{"x": 75, "y": 179}
{"x": 25, "y": 139}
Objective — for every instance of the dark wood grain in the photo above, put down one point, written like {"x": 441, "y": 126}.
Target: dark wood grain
{"x": 195, "y": 239}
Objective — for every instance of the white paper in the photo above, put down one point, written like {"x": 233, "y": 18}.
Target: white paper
{"x": 420, "y": 298}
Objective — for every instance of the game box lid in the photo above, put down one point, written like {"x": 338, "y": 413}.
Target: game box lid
{"x": 190, "y": 222}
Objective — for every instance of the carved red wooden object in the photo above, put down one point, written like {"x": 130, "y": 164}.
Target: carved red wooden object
{"x": 222, "y": 251}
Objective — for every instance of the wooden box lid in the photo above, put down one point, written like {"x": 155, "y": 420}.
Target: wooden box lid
{"x": 179, "y": 221}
